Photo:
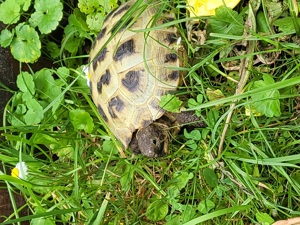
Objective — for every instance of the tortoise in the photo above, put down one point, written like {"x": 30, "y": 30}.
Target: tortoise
{"x": 131, "y": 68}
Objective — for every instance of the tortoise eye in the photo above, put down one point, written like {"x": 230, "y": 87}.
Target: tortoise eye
{"x": 154, "y": 142}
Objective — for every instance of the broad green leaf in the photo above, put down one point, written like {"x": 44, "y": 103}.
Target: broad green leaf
{"x": 47, "y": 88}
{"x": 63, "y": 149}
{"x": 175, "y": 220}
{"x": 63, "y": 73}
{"x": 34, "y": 115}
{"x": 170, "y": 103}
{"x": 72, "y": 44}
{"x": 192, "y": 137}
{"x": 192, "y": 102}
{"x": 45, "y": 139}
{"x": 210, "y": 177}
{"x": 25, "y": 4}
{"x": 6, "y": 37}
{"x": 75, "y": 31}
{"x": 25, "y": 83}
{"x": 266, "y": 103}
{"x": 9, "y": 12}
{"x": 127, "y": 177}
{"x": 181, "y": 179}
{"x": 53, "y": 49}
{"x": 44, "y": 221}
{"x": 188, "y": 212}
{"x": 191, "y": 144}
{"x": 88, "y": 6}
{"x": 194, "y": 134}
{"x": 95, "y": 21}
{"x": 226, "y": 21}
{"x": 108, "y": 146}
{"x": 26, "y": 46}
{"x": 81, "y": 120}
{"x": 47, "y": 15}
{"x": 173, "y": 191}
{"x": 214, "y": 94}
{"x": 77, "y": 24}
{"x": 157, "y": 210}
{"x": 205, "y": 206}
{"x": 264, "y": 218}
{"x": 286, "y": 24}
{"x": 110, "y": 5}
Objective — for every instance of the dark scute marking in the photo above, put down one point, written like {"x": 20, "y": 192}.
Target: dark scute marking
{"x": 109, "y": 15}
{"x": 155, "y": 105}
{"x": 174, "y": 75}
{"x": 168, "y": 19}
{"x": 131, "y": 80}
{"x": 91, "y": 86}
{"x": 171, "y": 38}
{"x": 122, "y": 9}
{"x": 101, "y": 34}
{"x": 99, "y": 58}
{"x": 124, "y": 50}
{"x": 102, "y": 114}
{"x": 117, "y": 24}
{"x": 105, "y": 79}
{"x": 115, "y": 104}
{"x": 172, "y": 57}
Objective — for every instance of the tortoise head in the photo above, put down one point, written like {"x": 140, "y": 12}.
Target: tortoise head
{"x": 153, "y": 140}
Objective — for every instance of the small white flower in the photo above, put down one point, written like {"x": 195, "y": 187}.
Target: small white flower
{"x": 20, "y": 171}
{"x": 85, "y": 69}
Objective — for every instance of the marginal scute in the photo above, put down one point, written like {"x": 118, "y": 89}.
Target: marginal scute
{"x": 171, "y": 57}
{"x": 99, "y": 58}
{"x": 108, "y": 17}
{"x": 171, "y": 38}
{"x": 122, "y": 9}
{"x": 104, "y": 80}
{"x": 116, "y": 26}
{"x": 115, "y": 104}
{"x": 174, "y": 75}
{"x": 167, "y": 19}
{"x": 124, "y": 50}
{"x": 91, "y": 86}
{"x": 101, "y": 112}
{"x": 101, "y": 34}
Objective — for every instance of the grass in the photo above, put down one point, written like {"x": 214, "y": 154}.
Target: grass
{"x": 242, "y": 169}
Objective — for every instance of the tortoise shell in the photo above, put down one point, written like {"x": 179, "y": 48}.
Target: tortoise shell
{"x": 132, "y": 68}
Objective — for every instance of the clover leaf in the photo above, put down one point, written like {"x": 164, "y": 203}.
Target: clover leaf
{"x": 47, "y": 15}
{"x": 26, "y": 46}
{"x": 170, "y": 103}
{"x": 35, "y": 114}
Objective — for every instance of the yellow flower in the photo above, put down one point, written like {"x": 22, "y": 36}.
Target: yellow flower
{"x": 20, "y": 171}
{"x": 207, "y": 7}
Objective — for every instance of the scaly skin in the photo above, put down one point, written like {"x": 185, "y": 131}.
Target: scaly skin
{"x": 153, "y": 141}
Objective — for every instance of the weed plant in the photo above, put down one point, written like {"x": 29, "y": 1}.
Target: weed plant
{"x": 242, "y": 79}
